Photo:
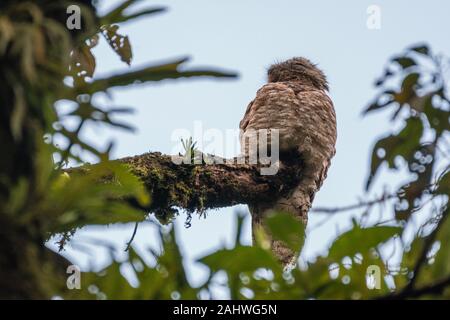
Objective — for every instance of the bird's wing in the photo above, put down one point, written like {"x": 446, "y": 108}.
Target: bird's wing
{"x": 318, "y": 121}
{"x": 268, "y": 109}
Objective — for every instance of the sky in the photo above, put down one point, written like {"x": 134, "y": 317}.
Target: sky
{"x": 246, "y": 37}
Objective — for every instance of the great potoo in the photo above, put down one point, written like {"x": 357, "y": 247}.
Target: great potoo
{"x": 294, "y": 101}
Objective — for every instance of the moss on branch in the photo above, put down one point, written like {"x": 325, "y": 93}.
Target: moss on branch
{"x": 197, "y": 187}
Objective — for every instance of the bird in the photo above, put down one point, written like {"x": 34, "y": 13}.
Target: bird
{"x": 295, "y": 101}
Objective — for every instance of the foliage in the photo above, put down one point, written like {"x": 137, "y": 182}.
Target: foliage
{"x": 42, "y": 64}
{"x": 421, "y": 104}
{"x": 421, "y": 150}
{"x": 48, "y": 97}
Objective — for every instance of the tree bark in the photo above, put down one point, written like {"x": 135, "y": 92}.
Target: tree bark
{"x": 198, "y": 187}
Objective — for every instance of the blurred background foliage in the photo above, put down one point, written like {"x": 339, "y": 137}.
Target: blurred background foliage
{"x": 43, "y": 63}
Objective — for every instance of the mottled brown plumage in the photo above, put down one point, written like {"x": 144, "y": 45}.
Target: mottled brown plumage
{"x": 294, "y": 101}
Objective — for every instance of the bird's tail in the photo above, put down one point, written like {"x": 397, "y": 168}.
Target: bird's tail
{"x": 297, "y": 203}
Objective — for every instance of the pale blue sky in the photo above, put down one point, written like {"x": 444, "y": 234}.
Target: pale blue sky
{"x": 247, "y": 36}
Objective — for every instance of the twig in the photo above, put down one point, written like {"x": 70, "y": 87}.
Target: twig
{"x": 423, "y": 255}
{"x": 435, "y": 288}
{"x": 409, "y": 291}
{"x": 132, "y": 236}
{"x": 370, "y": 203}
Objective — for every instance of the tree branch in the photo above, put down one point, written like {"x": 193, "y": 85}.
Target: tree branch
{"x": 198, "y": 187}
{"x": 434, "y": 289}
{"x": 363, "y": 204}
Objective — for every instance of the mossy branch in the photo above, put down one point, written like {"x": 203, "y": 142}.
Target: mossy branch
{"x": 198, "y": 187}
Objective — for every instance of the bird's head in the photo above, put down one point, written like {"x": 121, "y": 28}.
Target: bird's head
{"x": 298, "y": 69}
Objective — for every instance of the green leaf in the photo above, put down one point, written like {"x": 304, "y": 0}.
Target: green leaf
{"x": 422, "y": 49}
{"x": 409, "y": 82}
{"x": 240, "y": 259}
{"x": 360, "y": 240}
{"x": 117, "y": 14}
{"x": 286, "y": 228}
{"x": 18, "y": 114}
{"x": 18, "y": 197}
{"x": 404, "y": 62}
{"x": 109, "y": 284}
{"x": 407, "y": 92}
{"x": 439, "y": 263}
{"x": 436, "y": 264}
{"x": 420, "y": 163}
{"x": 152, "y": 73}
{"x": 97, "y": 195}
{"x": 444, "y": 184}
{"x": 402, "y": 144}
{"x": 437, "y": 117}
{"x": 110, "y": 19}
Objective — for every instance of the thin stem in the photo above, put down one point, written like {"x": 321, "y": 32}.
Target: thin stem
{"x": 132, "y": 236}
